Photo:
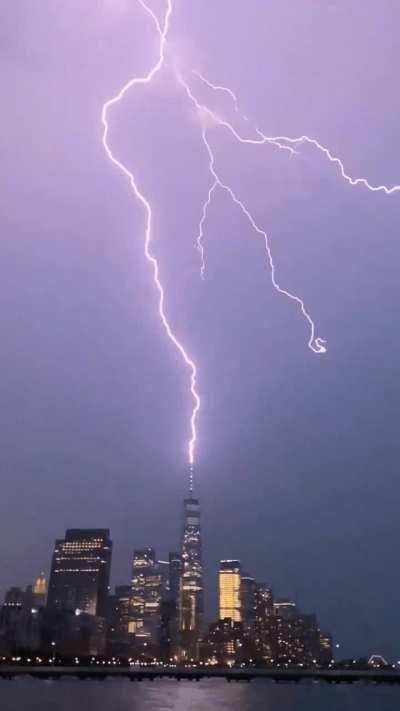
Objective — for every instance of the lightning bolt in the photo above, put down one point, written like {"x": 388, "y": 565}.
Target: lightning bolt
{"x": 134, "y": 82}
{"x": 199, "y": 241}
{"x": 224, "y": 89}
{"x": 281, "y": 142}
{"x": 287, "y": 141}
{"x": 315, "y": 344}
{"x": 288, "y": 144}
{"x": 338, "y": 162}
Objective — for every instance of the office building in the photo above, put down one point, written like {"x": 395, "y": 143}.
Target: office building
{"x": 223, "y": 643}
{"x": 39, "y": 591}
{"x": 191, "y": 585}
{"x": 150, "y": 582}
{"x": 119, "y": 640}
{"x": 285, "y": 609}
{"x": 175, "y": 572}
{"x": 248, "y": 587}
{"x": 80, "y": 572}
{"x": 229, "y": 590}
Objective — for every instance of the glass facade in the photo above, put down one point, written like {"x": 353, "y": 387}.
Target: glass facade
{"x": 150, "y": 581}
{"x": 80, "y": 572}
{"x": 191, "y": 585}
{"x": 229, "y": 590}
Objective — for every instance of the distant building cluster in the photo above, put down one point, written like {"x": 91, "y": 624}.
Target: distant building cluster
{"x": 159, "y": 614}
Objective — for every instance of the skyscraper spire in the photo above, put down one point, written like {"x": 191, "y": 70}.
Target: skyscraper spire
{"x": 191, "y": 479}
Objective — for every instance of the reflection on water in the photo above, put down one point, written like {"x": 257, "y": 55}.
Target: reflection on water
{"x": 206, "y": 695}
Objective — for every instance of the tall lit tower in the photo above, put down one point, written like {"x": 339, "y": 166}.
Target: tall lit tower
{"x": 191, "y": 585}
{"x": 229, "y": 590}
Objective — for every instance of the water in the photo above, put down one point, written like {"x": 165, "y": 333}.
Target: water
{"x": 206, "y": 695}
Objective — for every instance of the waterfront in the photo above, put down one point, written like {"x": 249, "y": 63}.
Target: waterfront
{"x": 213, "y": 695}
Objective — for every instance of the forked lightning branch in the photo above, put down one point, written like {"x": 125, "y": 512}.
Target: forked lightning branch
{"x": 210, "y": 120}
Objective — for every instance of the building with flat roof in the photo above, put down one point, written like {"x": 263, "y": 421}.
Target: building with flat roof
{"x": 229, "y": 590}
{"x": 80, "y": 572}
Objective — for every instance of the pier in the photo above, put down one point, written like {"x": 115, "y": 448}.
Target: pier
{"x": 138, "y": 674}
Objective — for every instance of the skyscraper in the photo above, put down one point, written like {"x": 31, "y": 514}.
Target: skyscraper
{"x": 264, "y": 600}
{"x": 150, "y": 581}
{"x": 285, "y": 609}
{"x": 80, "y": 571}
{"x": 229, "y": 590}
{"x": 169, "y": 633}
{"x": 191, "y": 585}
{"x": 265, "y": 628}
{"x": 248, "y": 587}
{"x": 39, "y": 593}
{"x": 175, "y": 572}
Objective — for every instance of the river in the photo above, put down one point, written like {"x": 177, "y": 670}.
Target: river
{"x": 206, "y": 695}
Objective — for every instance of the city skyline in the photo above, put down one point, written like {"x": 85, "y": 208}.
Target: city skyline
{"x": 74, "y": 546}
{"x": 159, "y": 615}
{"x": 227, "y": 596}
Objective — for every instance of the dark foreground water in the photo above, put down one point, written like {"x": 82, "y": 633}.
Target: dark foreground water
{"x": 207, "y": 695}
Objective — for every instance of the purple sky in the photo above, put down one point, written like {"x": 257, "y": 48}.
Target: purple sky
{"x": 298, "y": 454}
